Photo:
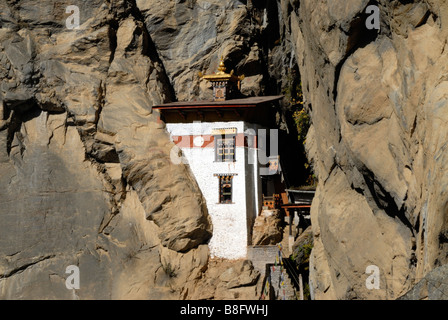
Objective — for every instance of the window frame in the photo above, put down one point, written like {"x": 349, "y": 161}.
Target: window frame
{"x": 225, "y": 179}
{"x": 229, "y": 156}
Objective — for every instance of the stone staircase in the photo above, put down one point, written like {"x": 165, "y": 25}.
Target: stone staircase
{"x": 281, "y": 284}
{"x": 278, "y": 285}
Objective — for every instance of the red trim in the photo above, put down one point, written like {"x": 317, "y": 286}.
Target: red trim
{"x": 187, "y": 141}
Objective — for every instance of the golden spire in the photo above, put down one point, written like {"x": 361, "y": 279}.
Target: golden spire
{"x": 221, "y": 75}
{"x": 222, "y": 82}
{"x": 222, "y": 67}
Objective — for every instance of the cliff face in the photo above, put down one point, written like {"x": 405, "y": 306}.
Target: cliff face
{"x": 84, "y": 161}
{"x": 85, "y": 171}
{"x": 378, "y": 140}
{"x": 86, "y": 176}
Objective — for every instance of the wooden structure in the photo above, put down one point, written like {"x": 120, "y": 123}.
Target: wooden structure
{"x": 222, "y": 141}
{"x": 287, "y": 206}
{"x": 225, "y": 85}
{"x": 253, "y": 109}
{"x": 300, "y": 205}
{"x": 271, "y": 202}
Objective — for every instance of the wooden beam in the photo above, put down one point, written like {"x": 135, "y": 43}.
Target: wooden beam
{"x": 200, "y": 114}
{"x": 209, "y": 106}
{"x": 182, "y": 114}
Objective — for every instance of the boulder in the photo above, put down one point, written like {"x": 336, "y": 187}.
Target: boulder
{"x": 432, "y": 286}
{"x": 267, "y": 229}
{"x": 228, "y": 280}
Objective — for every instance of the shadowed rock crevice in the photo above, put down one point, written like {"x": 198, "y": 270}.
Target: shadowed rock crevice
{"x": 358, "y": 36}
{"x": 24, "y": 267}
{"x": 386, "y": 202}
{"x": 15, "y": 134}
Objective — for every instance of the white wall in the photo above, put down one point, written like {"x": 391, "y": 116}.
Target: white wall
{"x": 229, "y": 238}
{"x": 230, "y": 221}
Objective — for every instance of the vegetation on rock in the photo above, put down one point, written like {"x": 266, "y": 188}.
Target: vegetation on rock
{"x": 294, "y": 97}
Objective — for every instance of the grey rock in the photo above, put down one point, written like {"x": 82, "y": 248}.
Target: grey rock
{"x": 85, "y": 163}
{"x": 433, "y": 286}
{"x": 64, "y": 200}
{"x": 375, "y": 99}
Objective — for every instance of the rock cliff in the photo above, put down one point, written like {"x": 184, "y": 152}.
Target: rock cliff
{"x": 85, "y": 171}
{"x": 84, "y": 161}
{"x": 377, "y": 100}
{"x": 86, "y": 177}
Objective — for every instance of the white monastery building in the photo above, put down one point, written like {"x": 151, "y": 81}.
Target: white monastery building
{"x": 224, "y": 141}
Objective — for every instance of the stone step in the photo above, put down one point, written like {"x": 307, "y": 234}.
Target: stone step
{"x": 283, "y": 290}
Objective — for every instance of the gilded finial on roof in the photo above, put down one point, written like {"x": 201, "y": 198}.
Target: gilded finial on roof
{"x": 221, "y": 75}
{"x": 222, "y": 67}
{"x": 223, "y": 83}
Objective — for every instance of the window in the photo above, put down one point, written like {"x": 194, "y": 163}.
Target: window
{"x": 225, "y": 189}
{"x": 224, "y": 148}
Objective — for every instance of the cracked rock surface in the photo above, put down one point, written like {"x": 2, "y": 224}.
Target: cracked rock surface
{"x": 378, "y": 140}
{"x": 84, "y": 162}
{"x": 85, "y": 171}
